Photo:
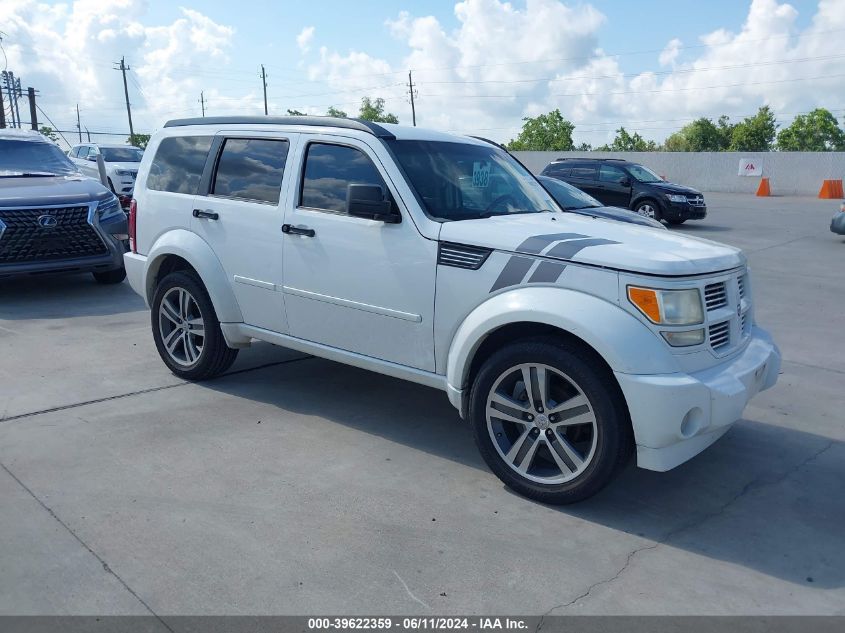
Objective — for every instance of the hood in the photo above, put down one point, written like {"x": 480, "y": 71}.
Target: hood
{"x": 123, "y": 166}
{"x": 670, "y": 187}
{"x": 619, "y": 214}
{"x": 50, "y": 190}
{"x": 596, "y": 241}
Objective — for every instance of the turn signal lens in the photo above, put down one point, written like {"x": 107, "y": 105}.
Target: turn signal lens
{"x": 646, "y": 300}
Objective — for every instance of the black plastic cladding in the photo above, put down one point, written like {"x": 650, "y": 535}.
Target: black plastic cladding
{"x": 318, "y": 121}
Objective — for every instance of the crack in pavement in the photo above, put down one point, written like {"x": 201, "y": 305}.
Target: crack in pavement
{"x": 149, "y": 390}
{"x": 754, "y": 484}
{"x": 99, "y": 558}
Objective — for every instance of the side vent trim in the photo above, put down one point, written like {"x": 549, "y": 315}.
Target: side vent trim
{"x": 462, "y": 256}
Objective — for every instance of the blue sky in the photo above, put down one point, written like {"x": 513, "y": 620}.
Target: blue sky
{"x": 481, "y": 65}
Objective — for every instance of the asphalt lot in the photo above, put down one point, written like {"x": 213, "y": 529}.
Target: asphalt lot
{"x": 299, "y": 486}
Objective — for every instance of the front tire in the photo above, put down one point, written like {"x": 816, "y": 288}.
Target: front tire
{"x": 550, "y": 420}
{"x": 110, "y": 276}
{"x": 648, "y": 209}
{"x": 186, "y": 331}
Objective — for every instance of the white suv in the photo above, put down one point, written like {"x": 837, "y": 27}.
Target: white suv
{"x": 566, "y": 341}
{"x": 121, "y": 163}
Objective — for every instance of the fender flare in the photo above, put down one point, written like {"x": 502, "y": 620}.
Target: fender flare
{"x": 625, "y": 343}
{"x": 646, "y": 195}
{"x": 196, "y": 251}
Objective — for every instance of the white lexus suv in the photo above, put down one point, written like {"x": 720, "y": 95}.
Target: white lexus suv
{"x": 566, "y": 341}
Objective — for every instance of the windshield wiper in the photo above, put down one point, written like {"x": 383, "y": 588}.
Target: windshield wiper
{"x": 25, "y": 174}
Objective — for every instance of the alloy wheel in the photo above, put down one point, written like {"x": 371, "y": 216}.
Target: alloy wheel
{"x": 647, "y": 210}
{"x": 181, "y": 326}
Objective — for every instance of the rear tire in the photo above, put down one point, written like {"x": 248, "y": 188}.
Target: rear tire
{"x": 110, "y": 276}
{"x": 186, "y": 331}
{"x": 559, "y": 444}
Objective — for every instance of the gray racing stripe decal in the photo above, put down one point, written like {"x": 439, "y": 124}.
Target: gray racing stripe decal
{"x": 546, "y": 272}
{"x": 536, "y": 243}
{"x": 567, "y": 250}
{"x": 513, "y": 272}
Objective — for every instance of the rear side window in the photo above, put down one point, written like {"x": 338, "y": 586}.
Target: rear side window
{"x": 584, "y": 172}
{"x": 557, "y": 171}
{"x": 178, "y": 164}
{"x": 251, "y": 169}
{"x": 329, "y": 170}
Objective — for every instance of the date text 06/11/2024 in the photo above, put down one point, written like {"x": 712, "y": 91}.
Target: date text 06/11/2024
{"x": 416, "y": 623}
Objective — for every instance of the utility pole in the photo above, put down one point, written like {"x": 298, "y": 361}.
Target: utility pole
{"x": 9, "y": 81}
{"x": 2, "y": 109}
{"x": 264, "y": 81}
{"x": 123, "y": 68}
{"x": 33, "y": 117}
{"x": 411, "y": 92}
{"x": 78, "y": 123}
{"x": 88, "y": 133}
{"x": 18, "y": 95}
{"x": 202, "y": 103}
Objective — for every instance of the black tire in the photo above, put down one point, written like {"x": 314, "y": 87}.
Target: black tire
{"x": 613, "y": 441}
{"x": 215, "y": 357}
{"x": 676, "y": 221}
{"x": 111, "y": 276}
{"x": 658, "y": 214}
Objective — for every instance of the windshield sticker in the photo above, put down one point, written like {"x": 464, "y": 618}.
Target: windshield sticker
{"x": 480, "y": 174}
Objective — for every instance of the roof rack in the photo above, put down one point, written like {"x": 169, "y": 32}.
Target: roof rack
{"x": 322, "y": 121}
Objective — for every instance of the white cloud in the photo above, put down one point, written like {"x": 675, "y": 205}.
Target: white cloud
{"x": 671, "y": 52}
{"x": 303, "y": 40}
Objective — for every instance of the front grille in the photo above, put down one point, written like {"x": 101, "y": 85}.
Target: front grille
{"x": 462, "y": 256}
{"x": 720, "y": 334}
{"x": 26, "y": 240}
{"x": 741, "y": 282}
{"x": 743, "y": 322}
{"x": 715, "y": 296}
{"x": 696, "y": 201}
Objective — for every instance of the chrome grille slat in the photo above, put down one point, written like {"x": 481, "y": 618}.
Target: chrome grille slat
{"x": 715, "y": 296}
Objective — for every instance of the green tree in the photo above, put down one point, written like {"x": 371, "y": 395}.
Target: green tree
{"x": 544, "y": 132}
{"x": 332, "y": 111}
{"x": 584, "y": 147}
{"x": 47, "y": 131}
{"x": 755, "y": 133}
{"x": 139, "y": 140}
{"x": 373, "y": 110}
{"x": 626, "y": 142}
{"x": 677, "y": 142}
{"x": 817, "y": 131}
{"x": 295, "y": 113}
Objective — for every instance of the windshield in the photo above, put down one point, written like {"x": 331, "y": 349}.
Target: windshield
{"x": 20, "y": 158}
{"x": 463, "y": 181}
{"x": 643, "y": 174}
{"x": 568, "y": 197}
{"x": 122, "y": 154}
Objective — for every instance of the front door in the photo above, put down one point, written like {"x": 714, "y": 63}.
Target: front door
{"x": 356, "y": 284}
{"x": 240, "y": 216}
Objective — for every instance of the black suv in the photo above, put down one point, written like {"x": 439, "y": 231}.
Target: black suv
{"x": 620, "y": 183}
{"x": 53, "y": 219}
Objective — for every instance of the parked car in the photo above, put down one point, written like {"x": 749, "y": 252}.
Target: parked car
{"x": 573, "y": 199}
{"x": 121, "y": 162}
{"x": 621, "y": 183}
{"x": 565, "y": 342}
{"x": 837, "y": 223}
{"x": 52, "y": 219}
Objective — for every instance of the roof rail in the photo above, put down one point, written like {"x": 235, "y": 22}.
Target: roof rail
{"x": 487, "y": 140}
{"x": 318, "y": 121}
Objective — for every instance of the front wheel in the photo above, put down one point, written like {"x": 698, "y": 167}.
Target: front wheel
{"x": 549, "y": 420}
{"x": 648, "y": 209}
{"x": 186, "y": 331}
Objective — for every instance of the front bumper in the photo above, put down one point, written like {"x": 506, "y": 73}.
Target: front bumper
{"x": 676, "y": 416}
{"x": 684, "y": 211}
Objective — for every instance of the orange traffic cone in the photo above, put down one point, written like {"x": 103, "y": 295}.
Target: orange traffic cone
{"x": 764, "y": 189}
{"x": 831, "y": 189}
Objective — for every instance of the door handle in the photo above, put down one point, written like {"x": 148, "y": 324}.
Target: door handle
{"x": 208, "y": 215}
{"x": 295, "y": 230}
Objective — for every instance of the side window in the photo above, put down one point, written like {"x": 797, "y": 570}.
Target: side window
{"x": 559, "y": 171}
{"x": 608, "y": 173}
{"x": 251, "y": 169}
{"x": 178, "y": 164}
{"x": 583, "y": 172}
{"x": 329, "y": 170}
{"x": 74, "y": 153}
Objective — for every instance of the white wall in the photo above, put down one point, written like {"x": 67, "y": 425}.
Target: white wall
{"x": 790, "y": 173}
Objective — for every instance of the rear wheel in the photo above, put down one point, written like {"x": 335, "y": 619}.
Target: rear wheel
{"x": 186, "y": 331}
{"x": 549, "y": 420}
{"x": 648, "y": 209}
{"x": 111, "y": 276}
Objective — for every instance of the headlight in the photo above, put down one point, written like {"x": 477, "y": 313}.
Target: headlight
{"x": 668, "y": 307}
{"x": 109, "y": 209}
{"x": 124, "y": 172}
{"x": 676, "y": 197}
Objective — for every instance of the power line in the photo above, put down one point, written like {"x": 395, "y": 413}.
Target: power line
{"x": 55, "y": 127}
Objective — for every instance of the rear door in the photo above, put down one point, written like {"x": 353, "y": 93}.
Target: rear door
{"x": 584, "y": 176}
{"x": 238, "y": 213}
{"x": 612, "y": 181}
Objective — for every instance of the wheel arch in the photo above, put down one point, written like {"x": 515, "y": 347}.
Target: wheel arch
{"x": 183, "y": 250}
{"x": 646, "y": 196}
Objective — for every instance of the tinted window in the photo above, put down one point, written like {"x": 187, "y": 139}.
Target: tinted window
{"x": 122, "y": 154}
{"x": 178, "y": 164}
{"x": 33, "y": 157}
{"x": 585, "y": 172}
{"x": 251, "y": 169}
{"x": 329, "y": 170}
{"x": 608, "y": 173}
{"x": 567, "y": 196}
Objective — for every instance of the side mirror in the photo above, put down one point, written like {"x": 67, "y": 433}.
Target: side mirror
{"x": 92, "y": 158}
{"x": 369, "y": 201}
{"x": 625, "y": 181}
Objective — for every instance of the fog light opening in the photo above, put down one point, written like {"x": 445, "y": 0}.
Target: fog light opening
{"x": 692, "y": 423}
